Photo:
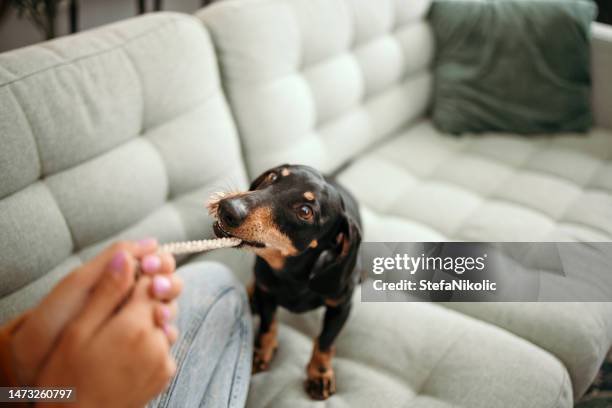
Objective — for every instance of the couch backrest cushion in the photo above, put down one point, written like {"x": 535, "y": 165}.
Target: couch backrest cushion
{"x": 317, "y": 81}
{"x": 601, "y": 55}
{"x": 118, "y": 132}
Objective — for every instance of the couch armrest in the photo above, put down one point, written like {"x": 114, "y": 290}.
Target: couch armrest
{"x": 601, "y": 46}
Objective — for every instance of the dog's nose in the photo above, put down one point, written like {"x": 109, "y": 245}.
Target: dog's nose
{"x": 232, "y": 212}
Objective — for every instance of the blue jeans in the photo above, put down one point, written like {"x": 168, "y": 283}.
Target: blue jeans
{"x": 214, "y": 349}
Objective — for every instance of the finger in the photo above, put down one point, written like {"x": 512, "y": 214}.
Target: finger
{"x": 36, "y": 336}
{"x": 135, "y": 323}
{"x": 108, "y": 294}
{"x": 140, "y": 305}
{"x": 171, "y": 333}
{"x": 165, "y": 313}
{"x": 158, "y": 263}
{"x": 141, "y": 294}
{"x": 168, "y": 263}
{"x": 161, "y": 376}
{"x": 162, "y": 310}
{"x": 67, "y": 297}
{"x": 139, "y": 309}
{"x": 166, "y": 287}
{"x": 91, "y": 271}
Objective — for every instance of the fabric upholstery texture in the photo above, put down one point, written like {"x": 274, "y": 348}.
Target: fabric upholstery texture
{"x": 318, "y": 81}
{"x": 423, "y": 185}
{"x": 117, "y": 132}
{"x": 484, "y": 46}
{"x": 579, "y": 334}
{"x": 414, "y": 355}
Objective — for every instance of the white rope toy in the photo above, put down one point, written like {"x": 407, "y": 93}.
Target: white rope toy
{"x": 202, "y": 245}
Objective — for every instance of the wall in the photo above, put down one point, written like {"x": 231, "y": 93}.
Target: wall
{"x": 16, "y": 32}
{"x": 605, "y": 11}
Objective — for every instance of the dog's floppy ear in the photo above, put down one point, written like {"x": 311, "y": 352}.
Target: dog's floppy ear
{"x": 263, "y": 176}
{"x": 258, "y": 180}
{"x": 333, "y": 273}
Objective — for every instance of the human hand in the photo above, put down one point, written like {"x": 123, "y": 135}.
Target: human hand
{"x": 115, "y": 358}
{"x": 34, "y": 339}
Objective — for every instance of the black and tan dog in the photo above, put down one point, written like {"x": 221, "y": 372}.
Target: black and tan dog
{"x": 305, "y": 230}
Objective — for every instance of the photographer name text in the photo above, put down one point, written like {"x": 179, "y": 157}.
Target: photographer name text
{"x": 410, "y": 265}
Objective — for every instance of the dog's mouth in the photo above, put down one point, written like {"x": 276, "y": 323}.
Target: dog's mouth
{"x": 221, "y": 232}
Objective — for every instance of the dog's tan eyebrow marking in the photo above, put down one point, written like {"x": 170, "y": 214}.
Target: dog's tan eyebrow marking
{"x": 309, "y": 195}
{"x": 285, "y": 172}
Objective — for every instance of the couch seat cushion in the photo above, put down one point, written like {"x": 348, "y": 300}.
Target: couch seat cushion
{"x": 579, "y": 334}
{"x": 426, "y": 186}
{"x": 417, "y": 355}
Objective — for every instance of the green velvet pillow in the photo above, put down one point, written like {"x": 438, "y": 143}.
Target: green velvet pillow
{"x": 518, "y": 66}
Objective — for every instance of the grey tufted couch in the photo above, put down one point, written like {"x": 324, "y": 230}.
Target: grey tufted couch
{"x": 124, "y": 131}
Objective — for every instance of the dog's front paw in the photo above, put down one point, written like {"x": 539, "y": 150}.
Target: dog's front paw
{"x": 322, "y": 384}
{"x": 265, "y": 348}
{"x": 262, "y": 358}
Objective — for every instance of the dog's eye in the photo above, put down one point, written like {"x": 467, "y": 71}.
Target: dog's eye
{"x": 272, "y": 177}
{"x": 305, "y": 212}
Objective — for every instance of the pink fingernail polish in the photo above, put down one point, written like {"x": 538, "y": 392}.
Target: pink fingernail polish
{"x": 165, "y": 312}
{"x": 150, "y": 264}
{"x": 117, "y": 263}
{"x": 161, "y": 285}
{"x": 147, "y": 242}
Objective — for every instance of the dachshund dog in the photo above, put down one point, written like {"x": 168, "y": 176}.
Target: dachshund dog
{"x": 305, "y": 230}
